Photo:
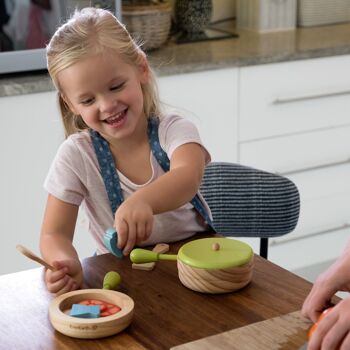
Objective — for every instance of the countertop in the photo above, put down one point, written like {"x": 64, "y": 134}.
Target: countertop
{"x": 250, "y": 48}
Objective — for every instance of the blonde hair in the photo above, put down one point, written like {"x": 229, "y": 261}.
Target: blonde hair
{"x": 92, "y": 31}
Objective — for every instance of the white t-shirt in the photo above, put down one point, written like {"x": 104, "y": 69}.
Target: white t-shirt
{"x": 74, "y": 177}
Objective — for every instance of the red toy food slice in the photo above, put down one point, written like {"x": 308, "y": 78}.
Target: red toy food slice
{"x": 320, "y": 318}
{"x": 114, "y": 310}
{"x": 105, "y": 308}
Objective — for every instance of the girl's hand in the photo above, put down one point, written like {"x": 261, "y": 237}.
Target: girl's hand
{"x": 333, "y": 331}
{"x": 133, "y": 223}
{"x": 67, "y": 277}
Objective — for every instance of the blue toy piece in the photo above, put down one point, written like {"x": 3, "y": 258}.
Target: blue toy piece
{"x": 110, "y": 240}
{"x": 85, "y": 311}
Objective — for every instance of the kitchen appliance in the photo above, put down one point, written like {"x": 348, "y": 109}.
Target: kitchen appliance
{"x": 26, "y": 26}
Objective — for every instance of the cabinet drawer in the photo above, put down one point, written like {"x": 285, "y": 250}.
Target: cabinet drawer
{"x": 293, "y": 97}
{"x": 309, "y": 251}
{"x": 325, "y": 202}
{"x": 300, "y": 152}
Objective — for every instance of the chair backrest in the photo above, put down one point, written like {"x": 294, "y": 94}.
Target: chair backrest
{"x": 248, "y": 202}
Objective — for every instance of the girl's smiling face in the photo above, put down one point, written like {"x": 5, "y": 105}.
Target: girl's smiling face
{"x": 106, "y": 92}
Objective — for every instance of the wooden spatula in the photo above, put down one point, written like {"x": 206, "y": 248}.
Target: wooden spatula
{"x": 29, "y": 254}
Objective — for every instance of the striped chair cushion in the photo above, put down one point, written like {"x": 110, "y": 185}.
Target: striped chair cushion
{"x": 247, "y": 202}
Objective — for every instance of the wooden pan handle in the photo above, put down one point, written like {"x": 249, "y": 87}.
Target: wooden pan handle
{"x": 140, "y": 256}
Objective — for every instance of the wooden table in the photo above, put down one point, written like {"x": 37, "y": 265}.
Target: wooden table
{"x": 166, "y": 313}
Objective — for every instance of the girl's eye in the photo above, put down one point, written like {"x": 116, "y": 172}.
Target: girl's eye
{"x": 117, "y": 87}
{"x": 87, "y": 102}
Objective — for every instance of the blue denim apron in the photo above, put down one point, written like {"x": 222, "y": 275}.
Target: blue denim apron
{"x": 110, "y": 175}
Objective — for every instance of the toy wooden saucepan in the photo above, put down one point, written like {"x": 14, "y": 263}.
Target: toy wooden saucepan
{"x": 208, "y": 265}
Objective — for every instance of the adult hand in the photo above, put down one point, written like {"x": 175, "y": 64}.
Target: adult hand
{"x": 336, "y": 278}
{"x": 133, "y": 223}
{"x": 68, "y": 276}
{"x": 333, "y": 331}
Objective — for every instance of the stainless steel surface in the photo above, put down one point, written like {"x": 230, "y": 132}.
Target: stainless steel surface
{"x": 290, "y": 99}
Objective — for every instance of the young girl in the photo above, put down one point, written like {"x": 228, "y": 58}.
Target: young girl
{"x": 129, "y": 167}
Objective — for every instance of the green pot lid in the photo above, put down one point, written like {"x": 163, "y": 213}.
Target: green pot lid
{"x": 215, "y": 253}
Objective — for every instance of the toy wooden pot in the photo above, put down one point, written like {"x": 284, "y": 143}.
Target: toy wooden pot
{"x": 208, "y": 265}
{"x": 90, "y": 327}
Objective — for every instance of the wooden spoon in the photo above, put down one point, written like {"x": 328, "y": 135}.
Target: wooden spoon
{"x": 29, "y": 254}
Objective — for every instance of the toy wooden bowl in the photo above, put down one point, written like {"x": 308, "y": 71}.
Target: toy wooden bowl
{"x": 209, "y": 265}
{"x": 87, "y": 328}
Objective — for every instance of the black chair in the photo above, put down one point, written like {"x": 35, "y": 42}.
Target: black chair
{"x": 247, "y": 202}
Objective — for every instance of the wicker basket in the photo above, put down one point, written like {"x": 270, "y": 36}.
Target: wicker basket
{"x": 322, "y": 12}
{"x": 149, "y": 25}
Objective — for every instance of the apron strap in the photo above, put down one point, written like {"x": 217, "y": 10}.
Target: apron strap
{"x": 164, "y": 162}
{"x": 108, "y": 170}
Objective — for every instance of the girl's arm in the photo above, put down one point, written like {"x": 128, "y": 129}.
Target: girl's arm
{"x": 56, "y": 246}
{"x": 179, "y": 185}
{"x": 134, "y": 218}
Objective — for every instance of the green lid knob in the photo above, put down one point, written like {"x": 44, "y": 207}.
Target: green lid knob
{"x": 111, "y": 280}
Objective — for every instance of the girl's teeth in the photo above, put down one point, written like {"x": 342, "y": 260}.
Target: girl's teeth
{"x": 114, "y": 119}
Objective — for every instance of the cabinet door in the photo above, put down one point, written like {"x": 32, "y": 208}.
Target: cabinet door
{"x": 298, "y": 152}
{"x": 325, "y": 201}
{"x": 294, "y": 120}
{"x": 294, "y": 97}
{"x": 31, "y": 133}
{"x": 309, "y": 252}
{"x": 323, "y": 227}
{"x": 209, "y": 99}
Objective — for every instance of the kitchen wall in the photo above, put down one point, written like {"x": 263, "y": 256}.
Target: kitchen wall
{"x": 223, "y": 9}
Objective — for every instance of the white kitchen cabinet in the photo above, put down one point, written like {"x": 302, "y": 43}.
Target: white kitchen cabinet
{"x": 293, "y": 97}
{"x": 299, "y": 152}
{"x": 309, "y": 251}
{"x": 210, "y": 100}
{"x": 294, "y": 120}
{"x": 31, "y": 132}
{"x": 325, "y": 205}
